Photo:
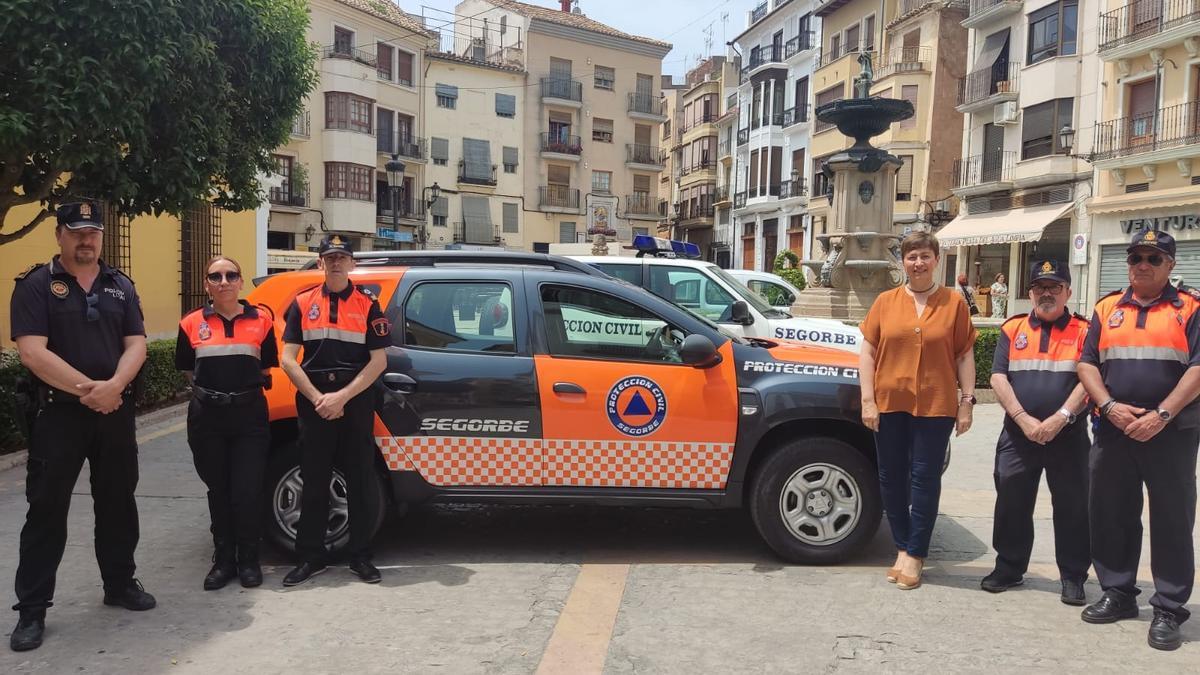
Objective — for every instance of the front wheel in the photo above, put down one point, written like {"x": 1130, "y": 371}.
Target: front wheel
{"x": 816, "y": 501}
{"x": 284, "y": 489}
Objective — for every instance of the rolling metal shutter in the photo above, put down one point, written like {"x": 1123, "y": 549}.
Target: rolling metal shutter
{"x": 1114, "y": 274}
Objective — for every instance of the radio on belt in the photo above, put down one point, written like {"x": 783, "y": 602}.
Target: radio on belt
{"x": 659, "y": 247}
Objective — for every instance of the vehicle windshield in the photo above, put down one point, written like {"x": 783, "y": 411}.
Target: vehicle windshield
{"x": 753, "y": 299}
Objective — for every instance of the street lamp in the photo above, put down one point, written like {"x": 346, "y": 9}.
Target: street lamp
{"x": 1066, "y": 141}
{"x": 795, "y": 190}
{"x": 395, "y": 177}
{"x": 435, "y": 193}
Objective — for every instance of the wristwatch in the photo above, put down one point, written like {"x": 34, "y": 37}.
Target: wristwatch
{"x": 1067, "y": 414}
{"x": 1164, "y": 414}
{"x": 969, "y": 398}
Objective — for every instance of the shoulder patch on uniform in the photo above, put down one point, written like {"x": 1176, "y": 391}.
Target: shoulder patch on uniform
{"x": 367, "y": 292}
{"x": 29, "y": 270}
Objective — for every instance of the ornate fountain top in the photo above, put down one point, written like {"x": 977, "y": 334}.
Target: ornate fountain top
{"x": 866, "y": 76}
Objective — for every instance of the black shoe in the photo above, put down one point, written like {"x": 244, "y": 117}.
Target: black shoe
{"x": 28, "y": 633}
{"x": 302, "y": 573}
{"x": 364, "y": 570}
{"x": 998, "y": 582}
{"x": 1072, "y": 593}
{"x": 1164, "y": 631}
{"x": 1110, "y": 608}
{"x": 133, "y": 597}
{"x": 248, "y": 569}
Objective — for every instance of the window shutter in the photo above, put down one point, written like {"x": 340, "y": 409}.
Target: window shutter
{"x": 439, "y": 148}
{"x": 404, "y": 67}
{"x": 441, "y": 207}
{"x": 510, "y": 155}
{"x": 1036, "y": 121}
{"x": 477, "y": 218}
{"x": 477, "y": 159}
{"x": 447, "y": 90}
{"x": 904, "y": 177}
{"x": 566, "y": 233}
{"x": 511, "y": 223}
{"x": 641, "y": 183}
{"x": 908, "y": 92}
{"x": 506, "y": 104}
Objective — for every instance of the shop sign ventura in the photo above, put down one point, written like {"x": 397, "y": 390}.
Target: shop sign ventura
{"x": 1164, "y": 223}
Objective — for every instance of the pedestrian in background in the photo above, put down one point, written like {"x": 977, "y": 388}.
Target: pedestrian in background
{"x": 227, "y": 349}
{"x": 1034, "y": 378}
{"x": 968, "y": 294}
{"x": 344, "y": 334}
{"x": 1140, "y": 364}
{"x": 999, "y": 298}
{"x": 917, "y": 372}
{"x": 78, "y": 328}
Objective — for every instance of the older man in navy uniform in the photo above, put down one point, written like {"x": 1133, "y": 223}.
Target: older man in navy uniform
{"x": 78, "y": 328}
{"x": 1141, "y": 365}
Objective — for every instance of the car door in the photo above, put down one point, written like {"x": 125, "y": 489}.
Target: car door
{"x": 628, "y": 414}
{"x": 460, "y": 402}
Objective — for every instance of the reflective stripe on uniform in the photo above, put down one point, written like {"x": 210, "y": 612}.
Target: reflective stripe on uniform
{"x": 356, "y": 337}
{"x": 1144, "y": 353}
{"x": 228, "y": 350}
{"x": 1045, "y": 365}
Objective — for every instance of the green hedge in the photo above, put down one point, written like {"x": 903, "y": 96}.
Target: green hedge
{"x": 985, "y": 347}
{"x": 161, "y": 383}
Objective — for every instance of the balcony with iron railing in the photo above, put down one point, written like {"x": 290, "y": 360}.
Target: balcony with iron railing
{"x": 486, "y": 235}
{"x": 476, "y": 174}
{"x": 904, "y": 60}
{"x": 982, "y": 12}
{"x": 692, "y": 211}
{"x": 723, "y": 148}
{"x": 721, "y": 195}
{"x": 401, "y": 143}
{"x": 764, "y": 190}
{"x": 743, "y": 136}
{"x": 820, "y": 125}
{"x": 762, "y": 56}
{"x": 906, "y": 8}
{"x": 1143, "y": 25}
{"x": 644, "y": 155}
{"x": 641, "y": 204}
{"x": 1171, "y": 133}
{"x": 301, "y": 125}
{"x": 822, "y": 186}
{"x": 410, "y": 207}
{"x": 558, "y": 197}
{"x": 829, "y": 56}
{"x": 739, "y": 200}
{"x": 367, "y": 58}
{"x": 647, "y": 105}
{"x": 988, "y": 172}
{"x": 800, "y": 43}
{"x": 562, "y": 89}
{"x": 758, "y": 12}
{"x": 702, "y": 119}
{"x": 551, "y": 143}
{"x": 988, "y": 86}
{"x": 795, "y": 115}
{"x": 794, "y": 188}
{"x": 698, "y": 165}
{"x": 292, "y": 193}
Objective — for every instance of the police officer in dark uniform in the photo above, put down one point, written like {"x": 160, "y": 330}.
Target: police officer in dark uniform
{"x": 78, "y": 328}
{"x": 228, "y": 347}
{"x": 1034, "y": 377}
{"x": 344, "y": 334}
{"x": 1140, "y": 366}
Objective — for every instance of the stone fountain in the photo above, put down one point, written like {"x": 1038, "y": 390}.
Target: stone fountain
{"x": 861, "y": 247}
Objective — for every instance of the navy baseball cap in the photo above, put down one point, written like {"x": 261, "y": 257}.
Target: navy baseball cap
{"x": 78, "y": 215}
{"x": 335, "y": 243}
{"x": 1049, "y": 270}
{"x": 1153, "y": 239}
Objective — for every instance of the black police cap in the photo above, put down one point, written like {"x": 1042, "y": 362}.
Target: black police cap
{"x": 335, "y": 243}
{"x": 1049, "y": 270}
{"x": 1153, "y": 239}
{"x": 80, "y": 215}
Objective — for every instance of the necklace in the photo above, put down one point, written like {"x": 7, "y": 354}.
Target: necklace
{"x": 916, "y": 292}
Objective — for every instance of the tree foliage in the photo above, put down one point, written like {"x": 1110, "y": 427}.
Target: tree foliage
{"x": 148, "y": 104}
{"x": 787, "y": 265}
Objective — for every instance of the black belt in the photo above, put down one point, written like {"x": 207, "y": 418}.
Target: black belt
{"x": 331, "y": 377}
{"x": 222, "y": 398}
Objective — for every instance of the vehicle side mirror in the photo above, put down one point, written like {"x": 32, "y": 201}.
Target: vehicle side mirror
{"x": 699, "y": 352}
{"x": 740, "y": 313}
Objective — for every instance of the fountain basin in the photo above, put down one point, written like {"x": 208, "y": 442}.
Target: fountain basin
{"x": 862, "y": 118}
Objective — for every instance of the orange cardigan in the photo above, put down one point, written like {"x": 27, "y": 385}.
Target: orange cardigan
{"x": 915, "y": 358}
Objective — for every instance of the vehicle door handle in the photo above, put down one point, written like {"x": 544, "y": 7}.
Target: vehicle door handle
{"x": 399, "y": 382}
{"x": 568, "y": 388}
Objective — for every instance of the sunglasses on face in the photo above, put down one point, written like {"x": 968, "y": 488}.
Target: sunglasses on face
{"x": 216, "y": 277}
{"x": 1154, "y": 259}
{"x": 92, "y": 313}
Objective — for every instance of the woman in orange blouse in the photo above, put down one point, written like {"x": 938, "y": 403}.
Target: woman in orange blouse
{"x": 917, "y": 356}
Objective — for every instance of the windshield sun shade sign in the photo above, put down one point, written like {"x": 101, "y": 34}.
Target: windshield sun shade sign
{"x": 636, "y": 406}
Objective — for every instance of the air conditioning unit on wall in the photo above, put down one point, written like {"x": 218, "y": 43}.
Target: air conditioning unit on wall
{"x": 1005, "y": 113}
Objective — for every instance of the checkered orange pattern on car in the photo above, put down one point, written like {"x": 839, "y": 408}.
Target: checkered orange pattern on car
{"x": 452, "y": 460}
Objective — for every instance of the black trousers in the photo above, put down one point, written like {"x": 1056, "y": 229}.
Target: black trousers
{"x": 64, "y": 435}
{"x": 1167, "y": 466}
{"x": 229, "y": 448}
{"x": 347, "y": 442}
{"x": 1018, "y": 473}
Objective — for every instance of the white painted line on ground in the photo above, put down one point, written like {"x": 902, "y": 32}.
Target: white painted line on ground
{"x": 579, "y": 643}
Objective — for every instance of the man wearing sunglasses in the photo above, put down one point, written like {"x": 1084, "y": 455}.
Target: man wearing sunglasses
{"x": 78, "y": 328}
{"x": 1033, "y": 375}
{"x": 1140, "y": 365}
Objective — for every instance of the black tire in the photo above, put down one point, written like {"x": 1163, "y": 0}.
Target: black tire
{"x": 777, "y": 486}
{"x": 283, "y": 490}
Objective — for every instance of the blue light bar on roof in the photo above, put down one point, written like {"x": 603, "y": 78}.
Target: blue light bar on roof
{"x": 659, "y": 246}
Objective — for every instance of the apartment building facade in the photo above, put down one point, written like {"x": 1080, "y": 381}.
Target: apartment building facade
{"x": 1032, "y": 72}
{"x": 771, "y": 149}
{"x": 918, "y": 49}
{"x": 591, "y": 122}
{"x": 365, "y": 108}
{"x": 671, "y": 143}
{"x": 723, "y": 233}
{"x": 1147, "y": 138}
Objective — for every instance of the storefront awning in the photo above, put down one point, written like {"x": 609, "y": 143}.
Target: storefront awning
{"x": 1149, "y": 202}
{"x": 280, "y": 259}
{"x": 1001, "y": 227}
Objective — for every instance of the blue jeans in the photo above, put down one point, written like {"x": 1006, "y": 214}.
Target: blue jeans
{"x": 911, "y": 453}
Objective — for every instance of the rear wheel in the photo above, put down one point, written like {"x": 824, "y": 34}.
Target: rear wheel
{"x": 816, "y": 500}
{"x": 284, "y": 489}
